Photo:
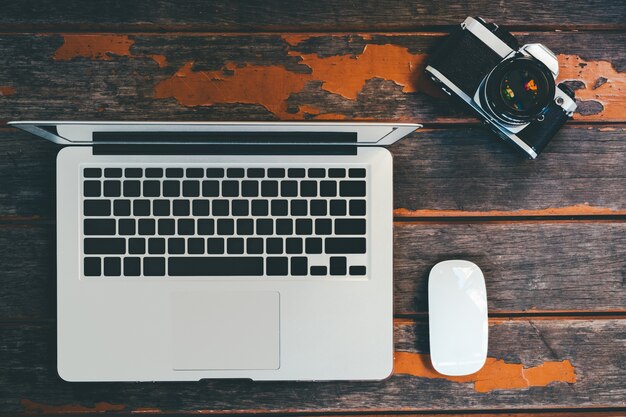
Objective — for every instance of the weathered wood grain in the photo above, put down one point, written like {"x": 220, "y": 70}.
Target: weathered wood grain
{"x": 372, "y": 76}
{"x": 321, "y": 15}
{"x": 589, "y": 352}
{"x": 437, "y": 173}
{"x": 530, "y": 267}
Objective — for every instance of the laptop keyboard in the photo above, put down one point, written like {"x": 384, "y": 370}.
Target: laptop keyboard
{"x": 212, "y": 221}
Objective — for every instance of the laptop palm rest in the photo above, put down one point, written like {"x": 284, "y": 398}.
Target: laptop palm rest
{"x": 232, "y": 330}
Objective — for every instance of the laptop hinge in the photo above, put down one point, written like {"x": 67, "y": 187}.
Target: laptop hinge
{"x": 227, "y": 138}
{"x": 222, "y": 149}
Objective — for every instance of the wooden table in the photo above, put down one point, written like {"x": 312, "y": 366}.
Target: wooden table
{"x": 549, "y": 234}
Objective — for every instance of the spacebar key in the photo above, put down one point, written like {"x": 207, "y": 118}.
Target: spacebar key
{"x": 190, "y": 266}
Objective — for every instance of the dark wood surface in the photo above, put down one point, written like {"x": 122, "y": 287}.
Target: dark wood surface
{"x": 549, "y": 234}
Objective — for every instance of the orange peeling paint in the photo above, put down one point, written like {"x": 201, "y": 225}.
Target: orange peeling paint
{"x": 495, "y": 374}
{"x": 31, "y": 407}
{"x": 7, "y": 90}
{"x": 294, "y": 39}
{"x": 307, "y": 110}
{"x": 575, "y": 210}
{"x": 161, "y": 60}
{"x": 99, "y": 47}
{"x": 610, "y": 94}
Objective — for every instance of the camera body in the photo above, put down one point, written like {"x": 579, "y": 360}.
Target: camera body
{"x": 511, "y": 89}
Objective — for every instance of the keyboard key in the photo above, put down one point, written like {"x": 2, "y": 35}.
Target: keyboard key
{"x": 269, "y": 188}
{"x": 167, "y": 227}
{"x": 296, "y": 172}
{"x": 259, "y": 207}
{"x": 137, "y": 246}
{"x": 234, "y": 246}
{"x": 91, "y": 267}
{"x": 336, "y": 172}
{"x": 153, "y": 267}
{"x": 206, "y": 227}
{"x": 180, "y": 207}
{"x": 102, "y": 227}
{"x": 352, "y": 188}
{"x": 357, "y": 207}
{"x": 249, "y": 188}
{"x": 230, "y": 188}
{"x": 328, "y": 188}
{"x": 215, "y": 266}
{"x": 215, "y": 172}
{"x": 191, "y": 188}
{"x": 200, "y": 207}
{"x": 141, "y": 208}
{"x": 112, "y": 267}
{"x": 274, "y": 245}
{"x": 308, "y": 189}
{"x": 91, "y": 188}
{"x": 132, "y": 188}
{"x": 245, "y": 227}
{"x": 174, "y": 172}
{"x": 299, "y": 207}
{"x": 357, "y": 270}
{"x": 156, "y": 246}
{"x": 225, "y": 227}
{"x": 195, "y": 172}
{"x": 284, "y": 226}
{"x": 171, "y": 188}
{"x": 304, "y": 226}
{"x": 133, "y": 172}
{"x": 276, "y": 266}
{"x": 113, "y": 172}
{"x": 146, "y": 226}
{"x": 161, "y": 207}
{"x": 323, "y": 226}
{"x": 176, "y": 246}
{"x": 220, "y": 207}
{"x": 92, "y": 173}
{"x": 337, "y": 207}
{"x": 151, "y": 188}
{"x": 256, "y": 173}
{"x": 356, "y": 172}
{"x": 317, "y": 172}
{"x": 195, "y": 246}
{"x": 338, "y": 265}
{"x": 132, "y": 267}
{"x": 349, "y": 226}
{"x": 210, "y": 188}
{"x": 154, "y": 172}
{"x": 126, "y": 227}
{"x": 299, "y": 266}
{"x": 318, "y": 207}
{"x": 112, "y": 188}
{"x": 235, "y": 172}
{"x": 105, "y": 246}
{"x": 280, "y": 208}
{"x": 289, "y": 189}
{"x": 215, "y": 245}
{"x": 97, "y": 207}
{"x": 293, "y": 245}
{"x": 254, "y": 245}
{"x": 313, "y": 245}
{"x": 264, "y": 227}
{"x": 121, "y": 207}
{"x": 275, "y": 172}
{"x": 341, "y": 245}
{"x": 186, "y": 227}
{"x": 239, "y": 207}
{"x": 318, "y": 270}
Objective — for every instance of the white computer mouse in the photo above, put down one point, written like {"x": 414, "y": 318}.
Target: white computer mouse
{"x": 457, "y": 307}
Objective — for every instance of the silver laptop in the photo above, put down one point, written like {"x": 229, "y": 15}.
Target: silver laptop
{"x": 223, "y": 250}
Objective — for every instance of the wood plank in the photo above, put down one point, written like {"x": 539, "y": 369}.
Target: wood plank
{"x": 371, "y": 76}
{"x": 566, "y": 364}
{"x": 321, "y": 15}
{"x": 530, "y": 267}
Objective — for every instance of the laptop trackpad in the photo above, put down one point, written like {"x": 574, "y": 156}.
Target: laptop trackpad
{"x": 225, "y": 330}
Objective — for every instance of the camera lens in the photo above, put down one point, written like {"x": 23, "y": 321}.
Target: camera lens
{"x": 518, "y": 89}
